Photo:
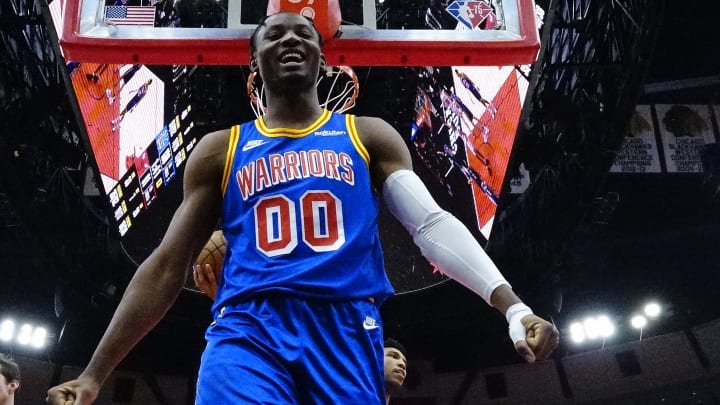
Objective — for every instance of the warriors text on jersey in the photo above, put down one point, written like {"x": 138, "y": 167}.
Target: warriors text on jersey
{"x": 300, "y": 215}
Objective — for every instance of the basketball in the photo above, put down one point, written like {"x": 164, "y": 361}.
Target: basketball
{"x": 325, "y": 15}
{"x": 213, "y": 253}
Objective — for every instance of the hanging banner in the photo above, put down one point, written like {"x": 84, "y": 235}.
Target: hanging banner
{"x": 639, "y": 152}
{"x": 684, "y": 130}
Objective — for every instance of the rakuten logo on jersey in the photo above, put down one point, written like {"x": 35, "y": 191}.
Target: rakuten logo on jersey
{"x": 330, "y": 132}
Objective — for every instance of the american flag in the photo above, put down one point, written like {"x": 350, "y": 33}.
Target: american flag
{"x": 130, "y": 15}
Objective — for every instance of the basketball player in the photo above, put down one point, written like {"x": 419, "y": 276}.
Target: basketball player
{"x": 124, "y": 79}
{"x": 296, "y": 318}
{"x": 95, "y": 75}
{"x": 395, "y": 367}
{"x": 452, "y": 102}
{"x": 71, "y": 67}
{"x": 425, "y": 109}
{"x": 395, "y": 357}
{"x": 455, "y": 113}
{"x": 134, "y": 101}
{"x": 472, "y": 88}
{"x": 9, "y": 380}
{"x": 394, "y": 360}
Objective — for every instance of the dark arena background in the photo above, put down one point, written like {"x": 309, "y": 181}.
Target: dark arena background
{"x": 591, "y": 177}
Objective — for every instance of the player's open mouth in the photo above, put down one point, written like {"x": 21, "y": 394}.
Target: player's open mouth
{"x": 291, "y": 57}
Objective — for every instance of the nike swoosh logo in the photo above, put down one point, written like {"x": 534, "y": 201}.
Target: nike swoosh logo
{"x": 370, "y": 323}
{"x": 253, "y": 144}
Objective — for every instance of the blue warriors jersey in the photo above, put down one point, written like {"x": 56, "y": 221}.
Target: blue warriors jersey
{"x": 300, "y": 214}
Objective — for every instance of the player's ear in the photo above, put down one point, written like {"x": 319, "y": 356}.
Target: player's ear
{"x": 14, "y": 385}
{"x": 253, "y": 64}
{"x": 323, "y": 63}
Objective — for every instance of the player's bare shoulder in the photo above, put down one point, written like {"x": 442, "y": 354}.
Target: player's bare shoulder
{"x": 385, "y": 145}
{"x": 212, "y": 147}
{"x": 375, "y": 132}
{"x": 215, "y": 142}
{"x": 208, "y": 157}
{"x": 369, "y": 127}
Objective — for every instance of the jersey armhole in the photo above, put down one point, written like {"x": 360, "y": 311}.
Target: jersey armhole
{"x": 233, "y": 142}
{"x": 355, "y": 138}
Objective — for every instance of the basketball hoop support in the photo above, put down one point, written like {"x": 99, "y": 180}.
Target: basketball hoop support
{"x": 86, "y": 38}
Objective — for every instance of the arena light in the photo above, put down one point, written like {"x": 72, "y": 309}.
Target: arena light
{"x": 592, "y": 331}
{"x": 638, "y": 321}
{"x": 601, "y": 327}
{"x": 652, "y": 310}
{"x": 7, "y": 330}
{"x": 27, "y": 335}
{"x": 577, "y": 333}
{"x": 598, "y": 327}
{"x": 39, "y": 337}
{"x": 605, "y": 326}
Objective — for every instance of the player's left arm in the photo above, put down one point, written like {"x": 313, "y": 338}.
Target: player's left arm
{"x": 445, "y": 241}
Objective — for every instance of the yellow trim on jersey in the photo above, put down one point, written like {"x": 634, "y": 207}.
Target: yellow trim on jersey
{"x": 289, "y": 132}
{"x": 355, "y": 138}
{"x": 230, "y": 155}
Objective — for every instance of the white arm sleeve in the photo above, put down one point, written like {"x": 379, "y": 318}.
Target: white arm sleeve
{"x": 441, "y": 237}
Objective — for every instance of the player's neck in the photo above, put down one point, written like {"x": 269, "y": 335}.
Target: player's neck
{"x": 389, "y": 390}
{"x": 292, "y": 111}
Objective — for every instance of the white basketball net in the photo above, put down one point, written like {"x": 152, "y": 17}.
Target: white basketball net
{"x": 339, "y": 86}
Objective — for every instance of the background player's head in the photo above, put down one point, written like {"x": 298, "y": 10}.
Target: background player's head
{"x": 395, "y": 365}
{"x": 9, "y": 379}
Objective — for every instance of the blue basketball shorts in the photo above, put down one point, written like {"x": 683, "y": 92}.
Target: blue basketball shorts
{"x": 286, "y": 350}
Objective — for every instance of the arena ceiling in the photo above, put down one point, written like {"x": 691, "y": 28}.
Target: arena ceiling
{"x": 646, "y": 236}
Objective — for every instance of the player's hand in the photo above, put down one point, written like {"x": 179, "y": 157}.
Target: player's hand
{"x": 541, "y": 339}
{"x": 82, "y": 391}
{"x": 205, "y": 279}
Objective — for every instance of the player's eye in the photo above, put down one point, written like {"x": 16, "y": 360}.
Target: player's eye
{"x": 305, "y": 34}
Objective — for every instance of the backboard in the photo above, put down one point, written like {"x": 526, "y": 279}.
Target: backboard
{"x": 373, "y": 33}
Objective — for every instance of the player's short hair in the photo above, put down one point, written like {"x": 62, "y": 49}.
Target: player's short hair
{"x": 253, "y": 37}
{"x": 9, "y": 368}
{"x": 392, "y": 343}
